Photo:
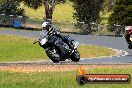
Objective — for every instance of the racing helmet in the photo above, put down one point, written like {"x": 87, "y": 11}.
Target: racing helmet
{"x": 128, "y": 29}
{"x": 46, "y": 25}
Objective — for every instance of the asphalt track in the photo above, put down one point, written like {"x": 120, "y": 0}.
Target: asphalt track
{"x": 106, "y": 41}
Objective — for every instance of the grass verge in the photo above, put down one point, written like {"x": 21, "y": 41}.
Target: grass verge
{"x": 7, "y": 28}
{"x": 57, "y": 79}
{"x": 14, "y": 48}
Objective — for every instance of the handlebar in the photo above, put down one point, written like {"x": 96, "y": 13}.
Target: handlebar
{"x": 35, "y": 42}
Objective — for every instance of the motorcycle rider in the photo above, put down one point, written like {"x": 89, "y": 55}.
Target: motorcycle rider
{"x": 127, "y": 36}
{"x": 47, "y": 27}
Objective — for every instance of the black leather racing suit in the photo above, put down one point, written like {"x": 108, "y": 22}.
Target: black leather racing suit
{"x": 127, "y": 37}
{"x": 45, "y": 34}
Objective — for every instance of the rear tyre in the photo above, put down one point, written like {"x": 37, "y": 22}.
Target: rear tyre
{"x": 53, "y": 56}
{"x": 75, "y": 56}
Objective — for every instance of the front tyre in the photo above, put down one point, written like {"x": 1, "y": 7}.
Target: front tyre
{"x": 53, "y": 55}
{"x": 75, "y": 56}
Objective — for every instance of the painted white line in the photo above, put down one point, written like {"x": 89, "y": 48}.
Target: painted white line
{"x": 125, "y": 53}
{"x": 119, "y": 53}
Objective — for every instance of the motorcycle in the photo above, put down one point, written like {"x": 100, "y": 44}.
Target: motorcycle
{"x": 57, "y": 50}
{"x": 128, "y": 36}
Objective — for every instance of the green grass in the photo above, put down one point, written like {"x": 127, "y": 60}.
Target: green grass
{"x": 33, "y": 20}
{"x": 19, "y": 49}
{"x": 14, "y": 48}
{"x": 63, "y": 12}
{"x": 57, "y": 79}
{"x": 94, "y": 51}
{"x": 62, "y": 17}
{"x": 60, "y": 24}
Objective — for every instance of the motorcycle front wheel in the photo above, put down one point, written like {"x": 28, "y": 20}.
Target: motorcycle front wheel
{"x": 75, "y": 56}
{"x": 53, "y": 55}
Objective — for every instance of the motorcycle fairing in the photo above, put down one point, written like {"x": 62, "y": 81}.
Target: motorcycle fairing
{"x": 43, "y": 41}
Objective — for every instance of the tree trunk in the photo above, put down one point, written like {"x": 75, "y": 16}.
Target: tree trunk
{"x": 49, "y": 11}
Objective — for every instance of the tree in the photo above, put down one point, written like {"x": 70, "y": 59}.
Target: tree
{"x": 10, "y": 7}
{"x": 122, "y": 13}
{"x": 87, "y": 10}
{"x": 49, "y": 5}
{"x": 107, "y": 5}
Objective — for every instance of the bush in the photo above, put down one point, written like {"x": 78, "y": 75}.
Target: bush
{"x": 11, "y": 7}
{"x": 87, "y": 11}
{"x": 122, "y": 13}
